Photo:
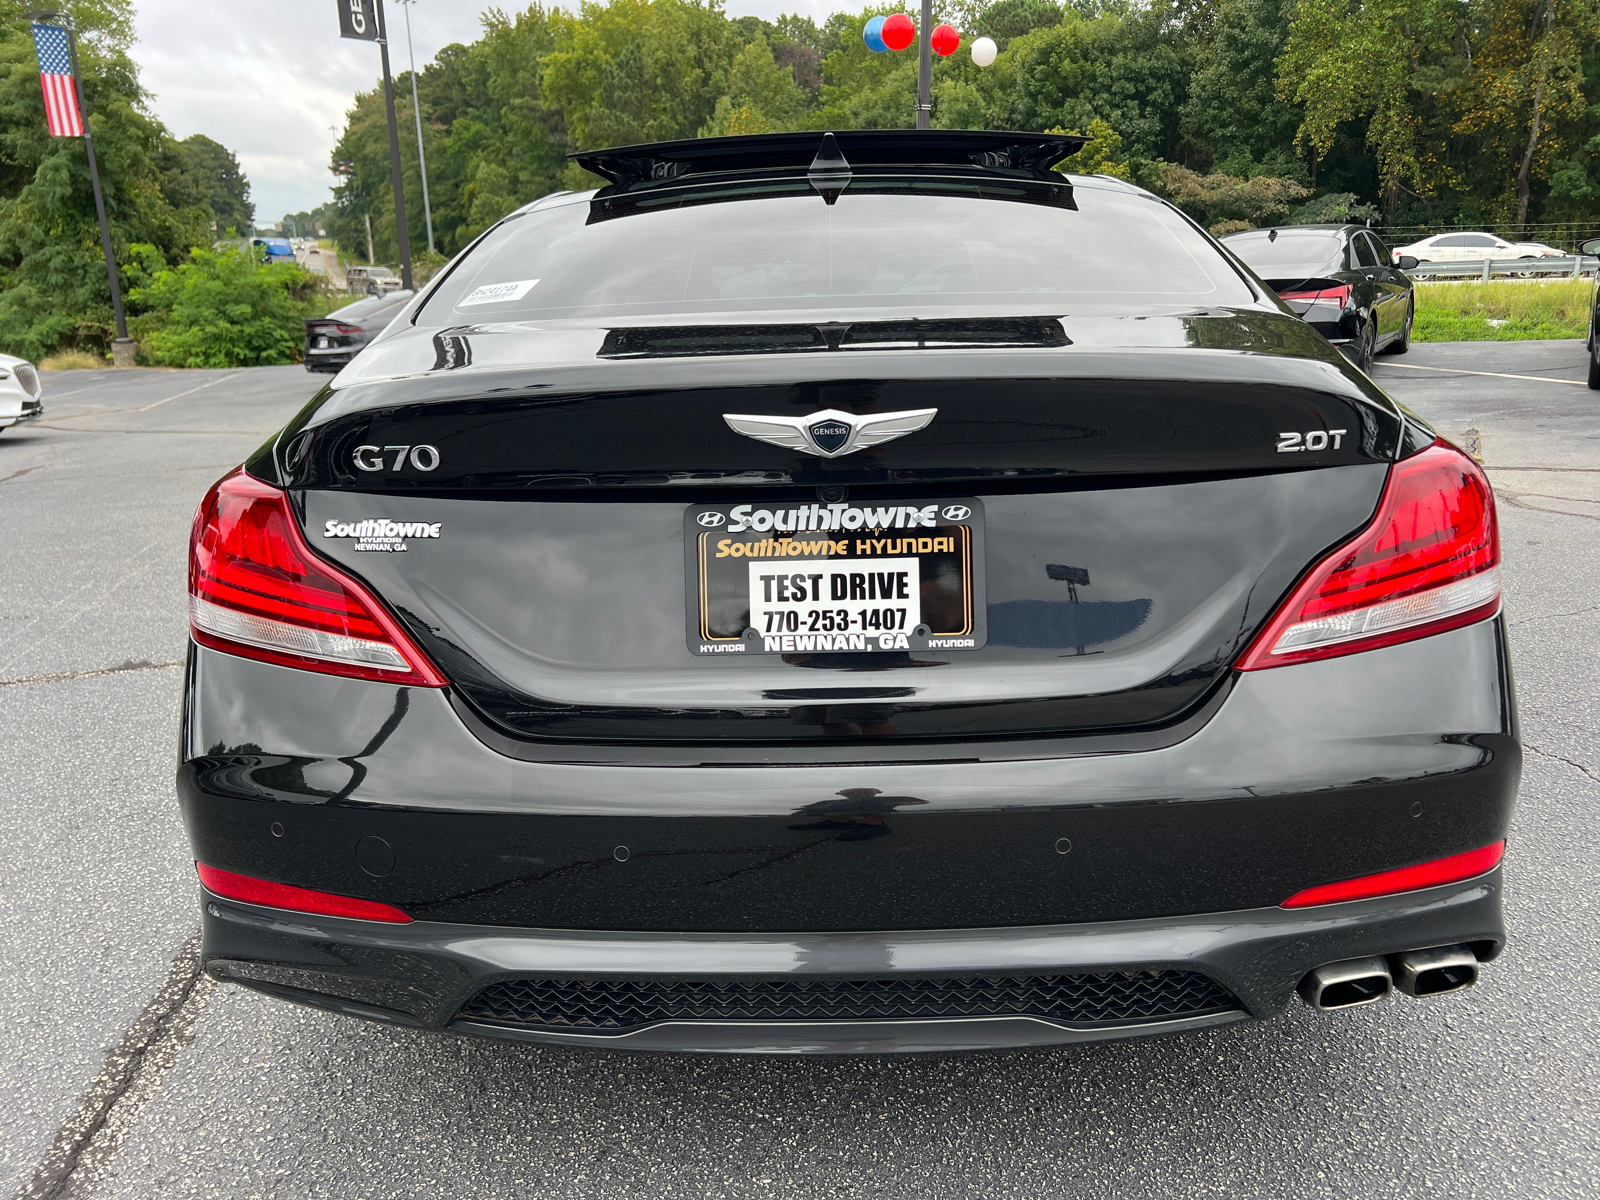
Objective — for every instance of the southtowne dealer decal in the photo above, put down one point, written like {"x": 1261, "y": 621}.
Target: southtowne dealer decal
{"x": 381, "y": 535}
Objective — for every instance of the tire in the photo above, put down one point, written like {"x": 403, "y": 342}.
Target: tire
{"x": 1369, "y": 346}
{"x": 1403, "y": 343}
{"x": 1594, "y": 363}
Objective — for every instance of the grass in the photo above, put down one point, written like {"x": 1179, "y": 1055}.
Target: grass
{"x": 1503, "y": 310}
{"x": 72, "y": 360}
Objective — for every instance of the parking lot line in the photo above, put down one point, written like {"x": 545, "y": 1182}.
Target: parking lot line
{"x": 1493, "y": 374}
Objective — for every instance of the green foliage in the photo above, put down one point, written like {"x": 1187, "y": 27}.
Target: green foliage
{"x": 1131, "y": 71}
{"x": 53, "y": 287}
{"x": 224, "y": 190}
{"x": 1336, "y": 208}
{"x": 1226, "y": 203}
{"x": 1233, "y": 109}
{"x": 1010, "y": 19}
{"x": 1503, "y": 310}
{"x": 762, "y": 97}
{"x": 221, "y": 308}
{"x": 1102, "y": 156}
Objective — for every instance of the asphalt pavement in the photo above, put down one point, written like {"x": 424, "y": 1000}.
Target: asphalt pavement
{"x": 122, "y": 1074}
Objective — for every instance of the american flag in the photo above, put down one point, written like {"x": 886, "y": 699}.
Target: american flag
{"x": 55, "y": 73}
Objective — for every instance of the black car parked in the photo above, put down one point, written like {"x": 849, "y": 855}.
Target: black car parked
{"x": 1342, "y": 281}
{"x": 1592, "y": 249}
{"x": 333, "y": 340}
{"x": 847, "y": 593}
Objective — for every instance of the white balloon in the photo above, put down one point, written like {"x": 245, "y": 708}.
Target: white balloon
{"x": 983, "y": 51}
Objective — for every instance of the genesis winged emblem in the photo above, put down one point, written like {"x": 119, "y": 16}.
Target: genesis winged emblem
{"x": 830, "y": 433}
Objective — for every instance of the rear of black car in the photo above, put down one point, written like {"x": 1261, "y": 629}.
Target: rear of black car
{"x": 921, "y": 604}
{"x": 332, "y": 341}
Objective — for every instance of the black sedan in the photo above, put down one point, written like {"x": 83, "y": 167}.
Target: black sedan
{"x": 847, "y": 593}
{"x": 333, "y": 340}
{"x": 1341, "y": 280}
{"x": 1591, "y": 249}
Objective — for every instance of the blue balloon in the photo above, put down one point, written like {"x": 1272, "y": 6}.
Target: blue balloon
{"x": 872, "y": 35}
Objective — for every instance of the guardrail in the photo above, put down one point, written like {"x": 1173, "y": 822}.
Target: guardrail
{"x": 1574, "y": 267}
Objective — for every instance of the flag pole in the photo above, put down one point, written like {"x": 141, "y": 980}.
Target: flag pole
{"x": 416, "y": 111}
{"x": 925, "y": 69}
{"x": 122, "y": 348}
{"x": 402, "y": 235}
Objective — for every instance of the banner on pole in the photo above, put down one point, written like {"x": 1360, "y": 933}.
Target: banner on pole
{"x": 358, "y": 19}
{"x": 61, "y": 113}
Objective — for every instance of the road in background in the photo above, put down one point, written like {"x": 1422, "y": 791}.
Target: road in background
{"x": 222, "y": 1092}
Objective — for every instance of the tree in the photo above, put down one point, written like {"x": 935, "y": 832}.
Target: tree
{"x": 761, "y": 96}
{"x": 1233, "y": 111}
{"x": 225, "y": 189}
{"x": 1102, "y": 156}
{"x": 1527, "y": 80}
{"x": 53, "y": 288}
{"x": 638, "y": 70}
{"x": 1227, "y": 203}
{"x": 1365, "y": 61}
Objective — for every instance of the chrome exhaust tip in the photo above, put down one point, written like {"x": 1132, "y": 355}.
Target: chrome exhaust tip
{"x": 1346, "y": 984}
{"x": 1436, "y": 971}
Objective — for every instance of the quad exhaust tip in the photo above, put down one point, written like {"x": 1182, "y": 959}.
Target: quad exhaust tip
{"x": 1347, "y": 984}
{"x": 1436, "y": 971}
{"x": 1358, "y": 981}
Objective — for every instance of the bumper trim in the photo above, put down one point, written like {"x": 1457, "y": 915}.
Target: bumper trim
{"x": 850, "y": 1037}
{"x": 422, "y": 974}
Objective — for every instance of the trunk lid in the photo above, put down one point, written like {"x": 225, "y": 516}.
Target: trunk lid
{"x": 1134, "y": 518}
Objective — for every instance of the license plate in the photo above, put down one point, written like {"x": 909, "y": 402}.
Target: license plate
{"x": 856, "y": 577}
{"x": 322, "y": 343}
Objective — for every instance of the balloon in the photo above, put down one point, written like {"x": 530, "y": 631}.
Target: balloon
{"x": 945, "y": 40}
{"x": 872, "y": 35}
{"x": 983, "y": 51}
{"x": 899, "y": 31}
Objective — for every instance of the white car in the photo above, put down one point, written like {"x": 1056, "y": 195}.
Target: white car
{"x": 1472, "y": 247}
{"x": 20, "y": 392}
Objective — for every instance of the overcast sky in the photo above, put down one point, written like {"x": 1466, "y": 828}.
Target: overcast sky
{"x": 269, "y": 84}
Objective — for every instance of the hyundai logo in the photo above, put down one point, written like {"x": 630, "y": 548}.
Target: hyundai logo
{"x": 955, "y": 512}
{"x": 711, "y": 519}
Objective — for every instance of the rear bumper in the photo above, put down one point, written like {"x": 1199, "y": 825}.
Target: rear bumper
{"x": 422, "y": 974}
{"x": 1053, "y": 856}
{"x": 329, "y": 360}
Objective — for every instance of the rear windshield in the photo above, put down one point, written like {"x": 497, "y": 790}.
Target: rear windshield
{"x": 867, "y": 251}
{"x": 1290, "y": 251}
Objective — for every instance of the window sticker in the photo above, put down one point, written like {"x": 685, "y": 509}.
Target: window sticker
{"x": 498, "y": 293}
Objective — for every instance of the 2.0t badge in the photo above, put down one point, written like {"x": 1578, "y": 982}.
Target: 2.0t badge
{"x": 830, "y": 433}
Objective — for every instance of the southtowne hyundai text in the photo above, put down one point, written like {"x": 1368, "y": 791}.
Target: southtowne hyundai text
{"x": 847, "y": 593}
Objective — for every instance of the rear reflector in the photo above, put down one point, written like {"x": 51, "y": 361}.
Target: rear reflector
{"x": 281, "y": 895}
{"x": 257, "y": 590}
{"x": 1407, "y": 879}
{"x": 1428, "y": 562}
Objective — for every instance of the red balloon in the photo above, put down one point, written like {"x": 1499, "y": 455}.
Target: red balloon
{"x": 899, "y": 31}
{"x": 945, "y": 40}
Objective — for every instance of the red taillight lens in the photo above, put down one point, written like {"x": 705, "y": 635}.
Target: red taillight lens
{"x": 1428, "y": 562}
{"x": 335, "y": 327}
{"x": 282, "y": 895}
{"x": 1329, "y": 295}
{"x": 1407, "y": 879}
{"x": 257, "y": 590}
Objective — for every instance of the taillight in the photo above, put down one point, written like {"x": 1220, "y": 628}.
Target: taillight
{"x": 1339, "y": 295}
{"x": 282, "y": 895}
{"x": 1406, "y": 879}
{"x": 335, "y": 327}
{"x": 1428, "y": 562}
{"x": 257, "y": 590}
